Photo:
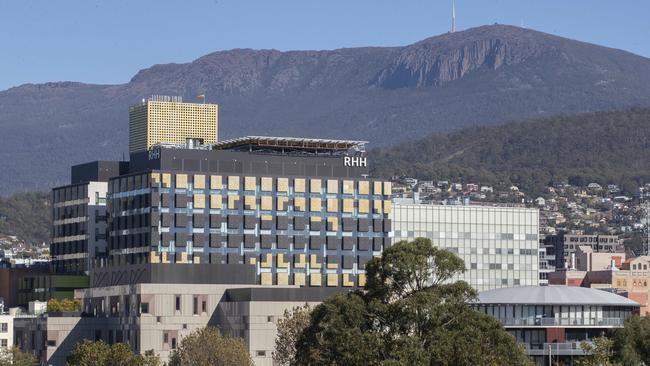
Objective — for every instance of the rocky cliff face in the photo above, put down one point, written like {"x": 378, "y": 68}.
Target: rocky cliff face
{"x": 481, "y": 76}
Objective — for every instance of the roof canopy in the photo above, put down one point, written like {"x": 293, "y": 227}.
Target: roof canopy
{"x": 553, "y": 295}
{"x": 292, "y": 143}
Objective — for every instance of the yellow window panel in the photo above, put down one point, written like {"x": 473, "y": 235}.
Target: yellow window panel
{"x": 299, "y": 279}
{"x": 299, "y": 204}
{"x": 155, "y": 179}
{"x": 267, "y": 278}
{"x": 281, "y": 262}
{"x": 164, "y": 258}
{"x": 181, "y": 180}
{"x": 267, "y": 203}
{"x": 300, "y": 263}
{"x": 282, "y": 203}
{"x": 267, "y": 184}
{"x": 199, "y": 181}
{"x": 364, "y": 206}
{"x": 266, "y": 260}
{"x": 364, "y": 187}
{"x": 313, "y": 262}
{"x": 388, "y": 207}
{"x": 314, "y": 185}
{"x": 332, "y": 223}
{"x": 267, "y": 218}
{"x": 348, "y": 187}
{"x": 332, "y": 279}
{"x": 332, "y": 265}
{"x": 362, "y": 279}
{"x": 249, "y": 183}
{"x": 315, "y": 204}
{"x": 299, "y": 185}
{"x": 376, "y": 187}
{"x": 233, "y": 183}
{"x": 154, "y": 257}
{"x": 183, "y": 258}
{"x": 283, "y": 279}
{"x": 252, "y": 260}
{"x": 314, "y": 279}
{"x": 250, "y": 202}
{"x": 232, "y": 202}
{"x": 166, "y": 180}
{"x": 314, "y": 219}
{"x": 215, "y": 201}
{"x": 199, "y": 201}
{"x": 283, "y": 184}
{"x": 215, "y": 182}
{"x": 388, "y": 190}
{"x": 332, "y": 186}
{"x": 348, "y": 205}
{"x": 196, "y": 259}
{"x": 332, "y": 205}
{"x": 376, "y": 206}
{"x": 346, "y": 280}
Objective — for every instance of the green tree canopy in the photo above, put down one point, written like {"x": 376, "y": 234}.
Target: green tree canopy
{"x": 631, "y": 344}
{"x": 88, "y": 353}
{"x": 14, "y": 356}
{"x": 63, "y": 305}
{"x": 410, "y": 313}
{"x": 208, "y": 347}
{"x": 290, "y": 326}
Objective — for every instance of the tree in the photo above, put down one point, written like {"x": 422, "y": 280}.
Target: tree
{"x": 409, "y": 313}
{"x": 631, "y": 344}
{"x": 290, "y": 326}
{"x": 63, "y": 305}
{"x": 600, "y": 353}
{"x": 208, "y": 347}
{"x": 88, "y": 353}
{"x": 14, "y": 356}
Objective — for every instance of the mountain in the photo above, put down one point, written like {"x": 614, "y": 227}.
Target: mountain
{"x": 482, "y": 76}
{"x": 603, "y": 147}
{"x": 26, "y": 216}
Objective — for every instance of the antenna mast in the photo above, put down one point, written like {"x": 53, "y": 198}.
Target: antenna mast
{"x": 453, "y": 16}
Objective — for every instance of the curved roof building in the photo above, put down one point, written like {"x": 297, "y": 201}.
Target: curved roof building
{"x": 554, "y": 295}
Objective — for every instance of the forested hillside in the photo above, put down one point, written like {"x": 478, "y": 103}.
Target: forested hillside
{"x": 27, "y": 216}
{"x": 604, "y": 147}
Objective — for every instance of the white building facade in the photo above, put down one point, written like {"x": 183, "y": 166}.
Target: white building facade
{"x": 498, "y": 244}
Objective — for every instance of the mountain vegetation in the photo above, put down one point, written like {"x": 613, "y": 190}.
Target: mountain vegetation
{"x": 481, "y": 76}
{"x": 602, "y": 147}
{"x": 26, "y": 216}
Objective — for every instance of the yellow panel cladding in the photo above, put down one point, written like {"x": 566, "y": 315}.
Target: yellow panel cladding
{"x": 332, "y": 205}
{"x": 314, "y": 279}
{"x": 252, "y": 260}
{"x": 155, "y": 122}
{"x": 388, "y": 190}
{"x": 332, "y": 186}
{"x": 346, "y": 280}
{"x": 388, "y": 207}
{"x": 215, "y": 182}
{"x": 332, "y": 265}
{"x": 348, "y": 205}
{"x": 281, "y": 262}
{"x": 283, "y": 278}
{"x": 233, "y": 183}
{"x": 166, "y": 180}
{"x": 250, "y": 202}
{"x": 364, "y": 187}
{"x": 267, "y": 184}
{"x": 199, "y": 181}
{"x": 249, "y": 183}
{"x": 299, "y": 204}
{"x": 232, "y": 202}
{"x": 267, "y": 203}
{"x": 348, "y": 187}
{"x": 215, "y": 201}
{"x": 183, "y": 258}
{"x": 267, "y": 278}
{"x": 315, "y": 204}
{"x": 376, "y": 206}
{"x": 299, "y": 279}
{"x": 299, "y": 185}
{"x": 154, "y": 257}
{"x": 300, "y": 261}
{"x": 181, "y": 180}
{"x": 332, "y": 223}
{"x": 196, "y": 259}
{"x": 362, "y": 279}
{"x": 266, "y": 260}
{"x": 364, "y": 206}
{"x": 313, "y": 262}
{"x": 154, "y": 179}
{"x": 267, "y": 218}
{"x": 376, "y": 187}
{"x": 199, "y": 201}
{"x": 282, "y": 203}
{"x": 332, "y": 279}
{"x": 164, "y": 258}
{"x": 314, "y": 185}
{"x": 283, "y": 184}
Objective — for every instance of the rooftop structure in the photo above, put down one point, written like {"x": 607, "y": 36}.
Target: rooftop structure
{"x": 553, "y": 295}
{"x": 292, "y": 145}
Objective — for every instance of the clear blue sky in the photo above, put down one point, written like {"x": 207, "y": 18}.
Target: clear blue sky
{"x": 108, "y": 41}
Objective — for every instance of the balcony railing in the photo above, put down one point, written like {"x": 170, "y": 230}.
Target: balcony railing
{"x": 546, "y": 322}
{"x": 561, "y": 349}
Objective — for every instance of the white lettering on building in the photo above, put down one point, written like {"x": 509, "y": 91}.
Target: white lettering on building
{"x": 354, "y": 161}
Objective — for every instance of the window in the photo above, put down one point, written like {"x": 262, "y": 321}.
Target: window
{"x": 4, "y": 327}
{"x": 144, "y": 308}
{"x": 4, "y": 343}
{"x": 178, "y": 303}
{"x": 204, "y": 307}
{"x": 173, "y": 343}
{"x": 261, "y": 353}
{"x": 165, "y": 338}
{"x": 195, "y": 305}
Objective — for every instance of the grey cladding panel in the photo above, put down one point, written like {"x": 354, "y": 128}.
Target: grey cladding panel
{"x": 364, "y": 244}
{"x": 266, "y": 241}
{"x": 315, "y": 242}
{"x": 348, "y": 261}
{"x": 215, "y": 240}
{"x": 181, "y": 240}
{"x": 234, "y": 241}
{"x": 282, "y": 223}
{"x": 215, "y": 221}
{"x": 198, "y": 220}
{"x": 249, "y": 222}
{"x": 283, "y": 242}
{"x": 348, "y": 243}
{"x": 333, "y": 243}
{"x": 180, "y": 200}
{"x": 181, "y": 220}
{"x": 249, "y": 241}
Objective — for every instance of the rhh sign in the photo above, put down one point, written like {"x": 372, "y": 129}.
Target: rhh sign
{"x": 354, "y": 161}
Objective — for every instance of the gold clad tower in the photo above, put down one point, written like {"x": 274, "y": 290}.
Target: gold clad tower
{"x": 167, "y": 120}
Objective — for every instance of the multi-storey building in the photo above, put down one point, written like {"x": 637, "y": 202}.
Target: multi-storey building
{"x": 6, "y": 331}
{"x": 167, "y": 120}
{"x": 498, "y": 244}
{"x": 565, "y": 246}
